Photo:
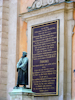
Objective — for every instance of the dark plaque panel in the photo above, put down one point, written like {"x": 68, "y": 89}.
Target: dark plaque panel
{"x": 45, "y": 59}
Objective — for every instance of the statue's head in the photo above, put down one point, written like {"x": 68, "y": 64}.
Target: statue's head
{"x": 24, "y": 54}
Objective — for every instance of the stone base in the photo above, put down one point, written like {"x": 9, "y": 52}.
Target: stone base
{"x": 21, "y": 94}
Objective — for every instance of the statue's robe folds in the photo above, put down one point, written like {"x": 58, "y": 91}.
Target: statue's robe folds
{"x": 22, "y": 68}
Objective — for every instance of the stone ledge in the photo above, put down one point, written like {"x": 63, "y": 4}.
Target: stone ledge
{"x": 21, "y": 94}
{"x": 22, "y": 91}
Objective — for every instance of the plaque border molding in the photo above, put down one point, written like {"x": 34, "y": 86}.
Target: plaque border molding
{"x": 57, "y": 86}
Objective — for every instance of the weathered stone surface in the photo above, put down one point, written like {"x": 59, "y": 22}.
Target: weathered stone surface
{"x": 0, "y": 34}
{"x": 3, "y": 93}
{"x": 1, "y": 2}
{"x": 0, "y": 66}
{"x": 0, "y": 40}
{"x": 4, "y": 35}
{"x": 0, "y": 27}
{"x": 3, "y": 87}
{"x": 3, "y": 98}
{"x": 5, "y": 16}
{"x": 0, "y": 21}
{"x": 4, "y": 41}
{"x": 3, "y": 74}
{"x": 5, "y": 22}
{"x": 0, "y": 8}
{"x": 0, "y": 53}
{"x": 4, "y": 67}
{"x": 0, "y": 15}
{"x": 4, "y": 47}
{"x": 5, "y": 28}
{"x": 0, "y": 62}
{"x": 5, "y": 9}
{"x": 6, "y": 3}
{"x": 4, "y": 54}
{"x": 3, "y": 81}
{"x": 3, "y": 61}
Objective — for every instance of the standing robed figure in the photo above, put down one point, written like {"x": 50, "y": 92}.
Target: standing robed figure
{"x": 22, "y": 68}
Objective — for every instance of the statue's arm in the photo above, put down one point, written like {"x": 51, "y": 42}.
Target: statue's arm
{"x": 19, "y": 63}
{"x": 23, "y": 66}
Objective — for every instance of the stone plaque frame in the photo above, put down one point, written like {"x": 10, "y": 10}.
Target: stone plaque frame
{"x": 57, "y": 80}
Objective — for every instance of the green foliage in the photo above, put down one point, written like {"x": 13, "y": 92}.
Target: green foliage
{"x": 67, "y": 0}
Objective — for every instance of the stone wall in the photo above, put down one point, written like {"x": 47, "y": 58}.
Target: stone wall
{"x": 4, "y": 16}
{"x": 73, "y": 58}
{"x": 13, "y": 44}
{"x": 9, "y": 45}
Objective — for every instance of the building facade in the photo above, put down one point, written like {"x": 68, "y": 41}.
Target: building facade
{"x": 13, "y": 40}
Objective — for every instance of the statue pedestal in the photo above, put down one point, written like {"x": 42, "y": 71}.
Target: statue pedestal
{"x": 21, "y": 94}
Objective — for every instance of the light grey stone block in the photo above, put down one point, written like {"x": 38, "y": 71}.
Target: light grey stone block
{"x": 4, "y": 41}
{"x": 6, "y": 3}
{"x": 4, "y": 35}
{"x": 0, "y": 21}
{"x": 3, "y": 93}
{"x": 0, "y": 68}
{"x": 4, "y": 47}
{"x": 2, "y": 98}
{"x": 0, "y": 62}
{"x": 5, "y": 9}
{"x": 0, "y": 53}
{"x": 5, "y": 22}
{"x": 0, "y": 15}
{"x": 5, "y": 28}
{"x": 0, "y": 34}
{"x": 4, "y": 54}
{"x": 4, "y": 67}
{"x": 3, "y": 61}
{"x": 3, "y": 74}
{"x": 3, "y": 87}
{"x": 0, "y": 27}
{"x": 1, "y": 2}
{"x": 3, "y": 81}
{"x": 0, "y": 40}
{"x": 5, "y": 16}
{"x": 1, "y": 9}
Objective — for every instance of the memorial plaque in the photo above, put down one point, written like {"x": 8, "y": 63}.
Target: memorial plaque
{"x": 45, "y": 58}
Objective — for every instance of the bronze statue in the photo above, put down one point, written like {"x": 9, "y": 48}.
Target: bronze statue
{"x": 22, "y": 69}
